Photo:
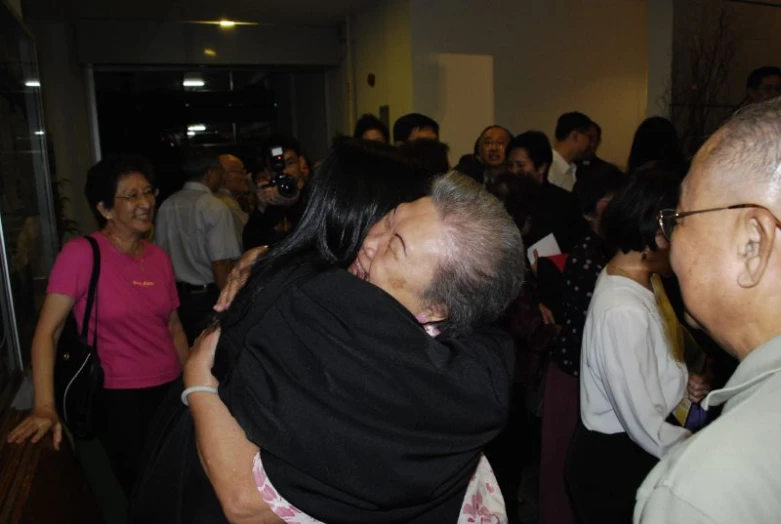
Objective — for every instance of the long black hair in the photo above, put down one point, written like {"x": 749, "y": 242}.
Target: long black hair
{"x": 656, "y": 144}
{"x": 356, "y": 185}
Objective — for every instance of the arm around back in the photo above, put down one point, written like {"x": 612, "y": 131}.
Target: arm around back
{"x": 226, "y": 454}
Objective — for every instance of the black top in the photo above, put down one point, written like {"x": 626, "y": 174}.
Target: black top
{"x": 585, "y": 262}
{"x": 361, "y": 416}
{"x": 470, "y": 166}
{"x": 557, "y": 212}
{"x": 270, "y": 227}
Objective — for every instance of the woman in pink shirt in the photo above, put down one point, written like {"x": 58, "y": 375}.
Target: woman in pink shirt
{"x": 141, "y": 342}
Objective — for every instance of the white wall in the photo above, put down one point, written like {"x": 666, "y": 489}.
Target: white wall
{"x": 381, "y": 45}
{"x": 458, "y": 92}
{"x": 550, "y": 57}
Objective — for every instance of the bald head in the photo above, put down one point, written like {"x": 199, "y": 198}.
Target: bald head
{"x": 726, "y": 258}
{"x": 745, "y": 154}
{"x": 231, "y": 162}
{"x": 235, "y": 176}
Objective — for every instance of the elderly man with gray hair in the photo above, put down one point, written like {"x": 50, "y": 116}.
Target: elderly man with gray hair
{"x": 726, "y": 251}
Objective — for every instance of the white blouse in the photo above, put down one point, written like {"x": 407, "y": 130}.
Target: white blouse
{"x": 629, "y": 381}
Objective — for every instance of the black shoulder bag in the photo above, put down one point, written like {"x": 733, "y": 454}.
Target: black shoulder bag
{"x": 78, "y": 376}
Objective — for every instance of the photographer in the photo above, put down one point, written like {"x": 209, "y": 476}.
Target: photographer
{"x": 278, "y": 191}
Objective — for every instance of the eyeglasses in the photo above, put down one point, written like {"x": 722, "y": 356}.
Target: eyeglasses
{"x": 491, "y": 143}
{"x": 668, "y": 218}
{"x": 148, "y": 194}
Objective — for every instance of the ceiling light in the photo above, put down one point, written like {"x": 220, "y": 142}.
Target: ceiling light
{"x": 196, "y": 127}
{"x": 193, "y": 82}
{"x": 191, "y": 133}
{"x": 226, "y": 24}
{"x": 209, "y": 52}
{"x": 33, "y": 83}
{"x": 39, "y": 133}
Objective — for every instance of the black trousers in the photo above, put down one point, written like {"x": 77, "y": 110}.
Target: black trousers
{"x": 126, "y": 418}
{"x": 603, "y": 473}
{"x": 195, "y": 308}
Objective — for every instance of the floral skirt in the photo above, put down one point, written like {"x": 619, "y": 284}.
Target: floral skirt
{"x": 483, "y": 502}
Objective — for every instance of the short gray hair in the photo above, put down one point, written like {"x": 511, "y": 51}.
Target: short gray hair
{"x": 482, "y": 269}
{"x": 746, "y": 151}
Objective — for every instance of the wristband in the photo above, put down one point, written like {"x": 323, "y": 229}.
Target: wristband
{"x": 196, "y": 389}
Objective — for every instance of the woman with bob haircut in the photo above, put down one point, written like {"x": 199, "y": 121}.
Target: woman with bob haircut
{"x": 632, "y": 377}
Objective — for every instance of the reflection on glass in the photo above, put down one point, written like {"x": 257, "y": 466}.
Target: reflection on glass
{"x": 26, "y": 217}
{"x": 152, "y": 113}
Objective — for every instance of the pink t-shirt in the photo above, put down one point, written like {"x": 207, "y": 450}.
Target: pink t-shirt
{"x": 135, "y": 300}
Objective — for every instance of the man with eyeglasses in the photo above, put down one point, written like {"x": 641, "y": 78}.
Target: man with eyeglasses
{"x": 489, "y": 154}
{"x": 726, "y": 252}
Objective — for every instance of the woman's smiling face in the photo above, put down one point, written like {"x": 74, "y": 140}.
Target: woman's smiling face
{"x": 401, "y": 253}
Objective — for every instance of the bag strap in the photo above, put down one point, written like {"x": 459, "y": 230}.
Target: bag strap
{"x": 92, "y": 295}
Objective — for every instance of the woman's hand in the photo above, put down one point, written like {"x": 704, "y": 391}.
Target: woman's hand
{"x": 698, "y": 387}
{"x": 238, "y": 277}
{"x": 536, "y": 262}
{"x": 547, "y": 314}
{"x": 198, "y": 369}
{"x": 36, "y": 425}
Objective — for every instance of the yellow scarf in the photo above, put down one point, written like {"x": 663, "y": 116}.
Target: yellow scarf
{"x": 683, "y": 348}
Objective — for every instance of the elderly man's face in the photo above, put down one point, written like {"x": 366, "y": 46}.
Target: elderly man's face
{"x": 492, "y": 146}
{"x": 703, "y": 258}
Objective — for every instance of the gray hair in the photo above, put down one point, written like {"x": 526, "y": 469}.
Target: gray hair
{"x": 748, "y": 145}
{"x": 198, "y": 162}
{"x": 482, "y": 269}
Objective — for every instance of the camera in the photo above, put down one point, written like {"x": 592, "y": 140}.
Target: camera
{"x": 287, "y": 185}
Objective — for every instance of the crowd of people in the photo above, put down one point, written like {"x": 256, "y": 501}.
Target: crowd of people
{"x": 379, "y": 338}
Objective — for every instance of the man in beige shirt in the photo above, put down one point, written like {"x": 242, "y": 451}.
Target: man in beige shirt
{"x": 726, "y": 247}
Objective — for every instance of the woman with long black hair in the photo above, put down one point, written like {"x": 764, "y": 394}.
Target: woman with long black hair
{"x": 336, "y": 389}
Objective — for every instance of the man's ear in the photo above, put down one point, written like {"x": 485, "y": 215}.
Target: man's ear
{"x": 756, "y": 236}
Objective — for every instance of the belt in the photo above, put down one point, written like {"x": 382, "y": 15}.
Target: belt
{"x": 195, "y": 289}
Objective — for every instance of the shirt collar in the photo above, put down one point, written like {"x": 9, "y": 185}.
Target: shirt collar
{"x": 557, "y": 158}
{"x": 759, "y": 365}
{"x": 197, "y": 186}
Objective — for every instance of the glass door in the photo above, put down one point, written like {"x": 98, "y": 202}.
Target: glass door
{"x": 28, "y": 239}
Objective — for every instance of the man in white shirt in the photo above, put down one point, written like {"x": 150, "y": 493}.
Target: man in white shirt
{"x": 572, "y": 143}
{"x": 196, "y": 229}
{"x": 726, "y": 245}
